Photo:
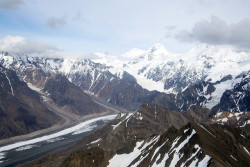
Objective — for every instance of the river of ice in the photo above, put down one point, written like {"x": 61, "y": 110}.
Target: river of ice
{"x": 79, "y": 128}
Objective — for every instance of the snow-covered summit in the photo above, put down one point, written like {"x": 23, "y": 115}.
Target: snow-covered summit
{"x": 159, "y": 67}
{"x": 157, "y": 51}
{"x": 133, "y": 53}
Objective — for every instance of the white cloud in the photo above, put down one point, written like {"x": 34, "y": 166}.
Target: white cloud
{"x": 219, "y": 32}
{"x": 18, "y": 44}
{"x": 21, "y": 45}
{"x": 11, "y": 4}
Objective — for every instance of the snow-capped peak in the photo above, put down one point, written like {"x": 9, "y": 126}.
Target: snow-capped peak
{"x": 133, "y": 53}
{"x": 157, "y": 51}
{"x": 217, "y": 53}
{"x": 160, "y": 67}
{"x": 157, "y": 46}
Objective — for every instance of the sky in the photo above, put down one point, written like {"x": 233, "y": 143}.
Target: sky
{"x": 116, "y": 26}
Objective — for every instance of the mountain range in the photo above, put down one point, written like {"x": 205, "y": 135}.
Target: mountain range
{"x": 181, "y": 109}
{"x": 198, "y": 78}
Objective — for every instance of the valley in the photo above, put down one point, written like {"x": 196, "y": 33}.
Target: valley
{"x": 83, "y": 101}
{"x": 124, "y": 83}
{"x": 26, "y": 150}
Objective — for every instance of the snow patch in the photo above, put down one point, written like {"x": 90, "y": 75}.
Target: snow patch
{"x": 233, "y": 157}
{"x": 219, "y": 90}
{"x": 177, "y": 155}
{"x": 2, "y": 156}
{"x": 218, "y": 114}
{"x": 230, "y": 115}
{"x": 115, "y": 126}
{"x": 34, "y": 88}
{"x": 158, "y": 148}
{"x": 245, "y": 123}
{"x": 96, "y": 141}
{"x": 125, "y": 160}
{"x": 194, "y": 162}
{"x": 12, "y": 92}
{"x": 239, "y": 113}
{"x": 204, "y": 162}
{"x": 224, "y": 120}
{"x": 246, "y": 150}
{"x": 55, "y": 139}
{"x": 243, "y": 136}
{"x": 186, "y": 130}
{"x": 196, "y": 146}
{"x": 27, "y": 147}
{"x": 206, "y": 130}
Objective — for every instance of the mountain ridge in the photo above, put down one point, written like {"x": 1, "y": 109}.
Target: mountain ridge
{"x": 107, "y": 82}
{"x": 190, "y": 144}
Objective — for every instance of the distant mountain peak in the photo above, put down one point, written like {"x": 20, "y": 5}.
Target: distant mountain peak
{"x": 157, "y": 46}
{"x": 157, "y": 51}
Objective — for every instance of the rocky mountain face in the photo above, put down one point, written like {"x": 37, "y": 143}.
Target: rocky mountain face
{"x": 52, "y": 77}
{"x": 198, "y": 77}
{"x": 94, "y": 78}
{"x": 239, "y": 119}
{"x": 203, "y": 94}
{"x": 192, "y": 145}
{"x": 21, "y": 110}
{"x": 90, "y": 77}
{"x": 148, "y": 138}
{"x": 236, "y": 99}
{"x": 132, "y": 127}
{"x": 197, "y": 114}
{"x": 71, "y": 98}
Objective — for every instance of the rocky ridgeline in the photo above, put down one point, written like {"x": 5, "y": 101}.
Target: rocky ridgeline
{"x": 124, "y": 91}
{"x": 148, "y": 137}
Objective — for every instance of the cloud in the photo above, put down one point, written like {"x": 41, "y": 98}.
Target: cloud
{"x": 219, "y": 32}
{"x": 23, "y": 46}
{"x": 55, "y": 23}
{"x": 11, "y": 4}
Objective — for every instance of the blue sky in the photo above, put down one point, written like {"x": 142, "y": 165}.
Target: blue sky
{"x": 115, "y": 26}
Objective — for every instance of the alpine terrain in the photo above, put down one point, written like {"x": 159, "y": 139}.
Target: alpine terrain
{"x": 173, "y": 109}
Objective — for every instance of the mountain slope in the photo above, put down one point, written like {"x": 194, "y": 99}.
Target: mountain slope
{"x": 192, "y": 145}
{"x": 71, "y": 98}
{"x": 20, "y": 107}
{"x": 236, "y": 99}
{"x": 91, "y": 77}
{"x": 123, "y": 143}
{"x": 239, "y": 119}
